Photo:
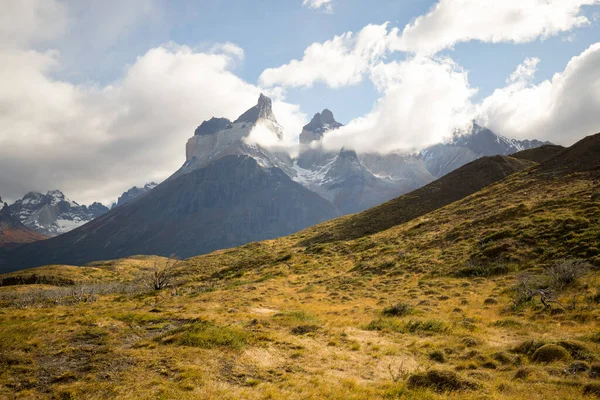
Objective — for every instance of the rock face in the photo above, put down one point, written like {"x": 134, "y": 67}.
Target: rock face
{"x": 131, "y": 194}
{"x": 204, "y": 148}
{"x": 52, "y": 213}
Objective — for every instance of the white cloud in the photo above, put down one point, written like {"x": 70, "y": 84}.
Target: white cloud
{"x": 93, "y": 142}
{"x": 562, "y": 109}
{"x": 28, "y": 21}
{"x": 519, "y": 21}
{"x": 342, "y": 61}
{"x": 316, "y": 4}
{"x": 525, "y": 71}
{"x": 423, "y": 100}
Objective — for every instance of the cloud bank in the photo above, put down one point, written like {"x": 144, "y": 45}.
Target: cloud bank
{"x": 97, "y": 141}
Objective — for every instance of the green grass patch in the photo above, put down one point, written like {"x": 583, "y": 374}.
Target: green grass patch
{"x": 207, "y": 335}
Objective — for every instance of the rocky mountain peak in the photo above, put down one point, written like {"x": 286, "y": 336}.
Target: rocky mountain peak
{"x": 348, "y": 154}
{"x": 212, "y": 126}
{"x": 262, "y": 110}
{"x": 318, "y": 125}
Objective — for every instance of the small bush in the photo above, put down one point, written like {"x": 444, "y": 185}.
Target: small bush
{"x": 549, "y": 353}
{"x": 304, "y": 329}
{"x": 523, "y": 373}
{"x": 578, "y": 367}
{"x": 566, "y": 272}
{"x": 398, "y": 310}
{"x": 440, "y": 381}
{"x": 437, "y": 356}
{"x": 490, "y": 301}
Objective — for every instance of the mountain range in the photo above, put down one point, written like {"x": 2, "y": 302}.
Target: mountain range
{"x": 231, "y": 191}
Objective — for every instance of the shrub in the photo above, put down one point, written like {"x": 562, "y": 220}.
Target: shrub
{"x": 577, "y": 367}
{"x": 398, "y": 310}
{"x": 549, "y": 353}
{"x": 490, "y": 300}
{"x": 437, "y": 356}
{"x": 566, "y": 272}
{"x": 523, "y": 373}
{"x": 304, "y": 329}
{"x": 440, "y": 380}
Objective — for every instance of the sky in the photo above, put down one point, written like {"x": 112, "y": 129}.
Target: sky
{"x": 96, "y": 97}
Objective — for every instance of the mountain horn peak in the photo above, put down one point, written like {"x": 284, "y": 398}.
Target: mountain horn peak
{"x": 262, "y": 110}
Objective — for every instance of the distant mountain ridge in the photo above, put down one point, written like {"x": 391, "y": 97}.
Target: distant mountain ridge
{"x": 52, "y": 214}
{"x": 134, "y": 193}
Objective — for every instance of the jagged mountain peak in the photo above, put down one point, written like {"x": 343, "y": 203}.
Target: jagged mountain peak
{"x": 262, "y": 110}
{"x": 318, "y": 125}
{"x": 348, "y": 154}
{"x": 322, "y": 122}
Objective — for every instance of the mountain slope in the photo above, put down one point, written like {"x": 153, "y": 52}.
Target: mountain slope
{"x": 227, "y": 203}
{"x": 539, "y": 154}
{"x": 454, "y": 186}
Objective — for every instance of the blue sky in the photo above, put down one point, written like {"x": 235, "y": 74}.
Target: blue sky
{"x": 100, "y": 96}
{"x": 273, "y": 32}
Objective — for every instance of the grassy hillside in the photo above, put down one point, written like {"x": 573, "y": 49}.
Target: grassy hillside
{"x": 495, "y": 295}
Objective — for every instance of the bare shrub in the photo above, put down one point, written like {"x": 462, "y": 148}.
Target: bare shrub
{"x": 162, "y": 274}
{"x": 566, "y": 272}
{"x": 549, "y": 283}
